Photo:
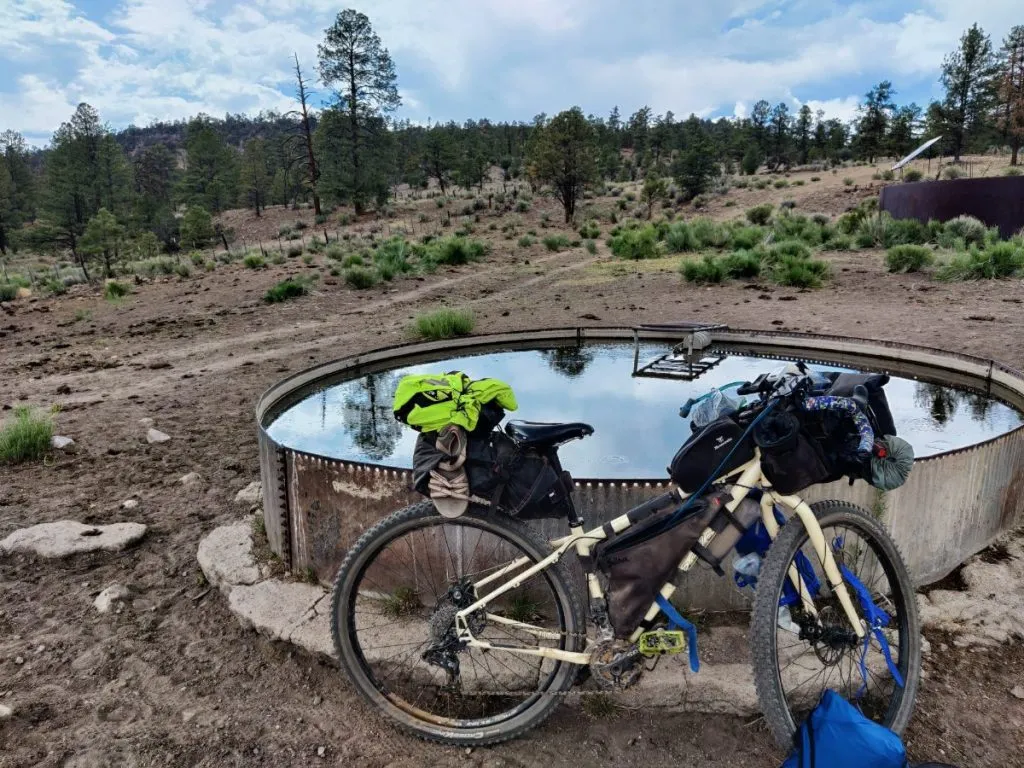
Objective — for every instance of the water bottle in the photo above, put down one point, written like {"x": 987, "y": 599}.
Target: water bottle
{"x": 747, "y": 513}
{"x": 746, "y": 569}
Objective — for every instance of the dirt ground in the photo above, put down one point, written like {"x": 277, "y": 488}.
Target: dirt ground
{"x": 172, "y": 680}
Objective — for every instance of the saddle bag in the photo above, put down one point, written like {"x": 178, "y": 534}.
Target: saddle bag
{"x": 791, "y": 458}
{"x": 518, "y": 481}
{"x": 640, "y": 561}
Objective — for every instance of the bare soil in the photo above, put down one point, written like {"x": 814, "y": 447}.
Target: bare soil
{"x": 172, "y": 680}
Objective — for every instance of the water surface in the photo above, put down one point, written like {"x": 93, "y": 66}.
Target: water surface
{"x": 638, "y": 428}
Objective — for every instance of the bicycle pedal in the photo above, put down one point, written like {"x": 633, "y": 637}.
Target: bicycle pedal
{"x": 662, "y": 641}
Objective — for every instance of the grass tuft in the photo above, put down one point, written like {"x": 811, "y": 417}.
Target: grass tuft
{"x": 444, "y": 324}
{"x": 26, "y": 435}
{"x": 285, "y": 290}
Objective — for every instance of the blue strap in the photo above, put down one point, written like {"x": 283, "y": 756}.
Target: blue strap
{"x": 676, "y": 621}
{"x": 877, "y": 619}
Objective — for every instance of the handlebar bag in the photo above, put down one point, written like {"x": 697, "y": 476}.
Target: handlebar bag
{"x": 701, "y": 455}
{"x": 791, "y": 458}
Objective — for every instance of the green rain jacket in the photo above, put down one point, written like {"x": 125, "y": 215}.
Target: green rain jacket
{"x": 429, "y": 402}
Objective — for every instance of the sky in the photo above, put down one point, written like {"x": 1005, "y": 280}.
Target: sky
{"x": 138, "y": 61}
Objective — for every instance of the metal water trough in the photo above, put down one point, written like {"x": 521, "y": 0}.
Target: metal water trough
{"x": 953, "y": 505}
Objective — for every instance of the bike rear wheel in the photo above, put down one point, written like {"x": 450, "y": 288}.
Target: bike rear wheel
{"x": 393, "y": 622}
{"x": 791, "y": 669}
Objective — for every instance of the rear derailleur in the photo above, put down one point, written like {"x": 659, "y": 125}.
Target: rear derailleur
{"x": 445, "y": 643}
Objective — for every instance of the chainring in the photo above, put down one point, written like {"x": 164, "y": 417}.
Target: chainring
{"x": 616, "y": 665}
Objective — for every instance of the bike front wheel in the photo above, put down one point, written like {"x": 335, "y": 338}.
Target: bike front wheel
{"x": 393, "y": 621}
{"x": 797, "y": 655}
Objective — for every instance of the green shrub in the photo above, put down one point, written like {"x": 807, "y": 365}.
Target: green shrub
{"x": 742, "y": 264}
{"x": 789, "y": 249}
{"x": 996, "y": 261}
{"x": 526, "y": 241}
{"x": 908, "y": 258}
{"x": 840, "y": 242}
{"x": 300, "y": 225}
{"x": 26, "y": 435}
{"x": 334, "y": 252}
{"x": 8, "y": 292}
{"x": 183, "y": 270}
{"x": 197, "y": 258}
{"x": 704, "y": 271}
{"x": 114, "y": 290}
{"x": 444, "y": 324}
{"x": 761, "y": 184}
{"x": 780, "y": 184}
{"x": 760, "y": 214}
{"x": 353, "y": 260}
{"x": 798, "y": 183}
{"x": 210, "y": 266}
{"x": 888, "y": 175}
{"x": 307, "y": 259}
{"x": 815, "y": 178}
{"x": 320, "y": 218}
{"x": 522, "y": 206}
{"x": 635, "y": 244}
{"x": 162, "y": 265}
{"x": 591, "y": 247}
{"x": 631, "y": 197}
{"x": 700, "y": 201}
{"x": 679, "y": 238}
{"x": 456, "y": 250}
{"x": 556, "y": 242}
{"x": 971, "y": 230}
{"x": 53, "y": 287}
{"x": 745, "y": 238}
{"x": 952, "y": 172}
{"x": 799, "y": 273}
{"x": 911, "y": 176}
{"x": 393, "y": 257}
{"x": 1012, "y": 170}
{"x": 360, "y": 278}
{"x": 710, "y": 234}
{"x": 590, "y": 230}
{"x": 290, "y": 288}
{"x": 284, "y": 231}
{"x": 256, "y": 261}
{"x": 847, "y": 182}
{"x": 277, "y": 259}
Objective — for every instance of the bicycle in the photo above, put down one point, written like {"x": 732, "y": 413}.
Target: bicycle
{"x": 469, "y": 630}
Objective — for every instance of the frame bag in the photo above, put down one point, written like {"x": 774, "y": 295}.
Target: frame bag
{"x": 644, "y": 557}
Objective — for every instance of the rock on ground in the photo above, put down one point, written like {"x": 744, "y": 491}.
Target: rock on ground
{"x": 68, "y": 537}
{"x": 192, "y": 480}
{"x": 130, "y": 503}
{"x": 225, "y": 557}
{"x": 60, "y": 442}
{"x": 109, "y": 597}
{"x": 5, "y": 711}
{"x": 283, "y": 610}
{"x": 156, "y": 436}
{"x": 250, "y": 495}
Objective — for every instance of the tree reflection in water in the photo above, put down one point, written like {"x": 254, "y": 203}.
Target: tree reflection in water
{"x": 369, "y": 420}
{"x": 571, "y": 362}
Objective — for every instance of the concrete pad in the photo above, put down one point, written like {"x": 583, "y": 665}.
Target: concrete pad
{"x": 275, "y": 608}
{"x": 68, "y": 537}
{"x": 988, "y": 612}
{"x": 717, "y": 688}
{"x": 225, "y": 557}
{"x": 250, "y": 495}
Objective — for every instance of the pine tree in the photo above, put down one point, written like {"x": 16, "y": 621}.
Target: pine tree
{"x": 967, "y": 75}
{"x": 253, "y": 177}
{"x": 439, "y": 156}
{"x": 311, "y": 167}
{"x": 1010, "y": 92}
{"x": 563, "y": 155}
{"x": 196, "y": 227}
{"x": 697, "y": 165}
{"x": 211, "y": 173}
{"x": 780, "y": 130}
{"x": 102, "y": 237}
{"x": 875, "y": 114}
{"x": 802, "y": 130}
{"x": 353, "y": 59}
{"x": 654, "y": 189}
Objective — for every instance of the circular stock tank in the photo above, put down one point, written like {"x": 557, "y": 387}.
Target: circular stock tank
{"x": 334, "y": 460}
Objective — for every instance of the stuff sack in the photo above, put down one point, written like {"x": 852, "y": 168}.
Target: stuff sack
{"x": 837, "y": 735}
{"x": 516, "y": 480}
{"x": 644, "y": 557}
{"x": 790, "y": 457}
{"x": 701, "y": 455}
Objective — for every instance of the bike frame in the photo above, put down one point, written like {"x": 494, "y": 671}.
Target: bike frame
{"x": 744, "y": 479}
